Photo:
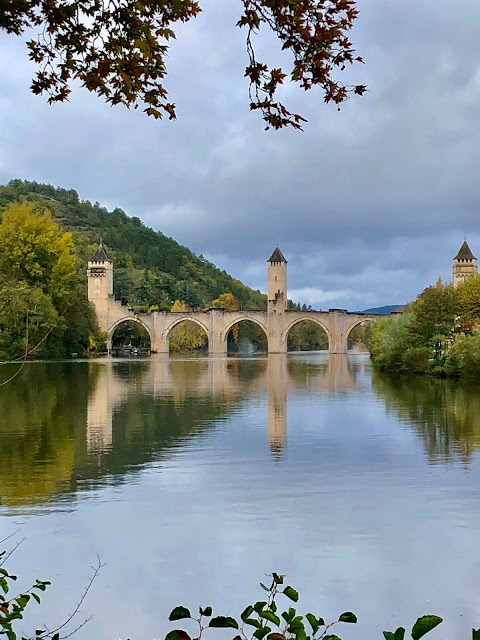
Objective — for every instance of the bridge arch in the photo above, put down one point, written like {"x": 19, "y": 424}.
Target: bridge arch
{"x": 121, "y": 321}
{"x": 356, "y": 323}
{"x": 312, "y": 318}
{"x": 244, "y": 318}
{"x": 180, "y": 320}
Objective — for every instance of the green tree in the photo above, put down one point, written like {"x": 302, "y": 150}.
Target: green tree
{"x": 81, "y": 327}
{"x": 468, "y": 293}
{"x": 27, "y": 315}
{"x": 435, "y": 310}
{"x": 131, "y": 333}
{"x": 434, "y": 323}
{"x": 464, "y": 356}
{"x": 118, "y": 49}
{"x": 391, "y": 339}
{"x": 307, "y": 336}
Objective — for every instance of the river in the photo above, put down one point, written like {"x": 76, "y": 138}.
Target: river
{"x": 193, "y": 478}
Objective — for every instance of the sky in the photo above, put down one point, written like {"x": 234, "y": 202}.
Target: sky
{"x": 369, "y": 204}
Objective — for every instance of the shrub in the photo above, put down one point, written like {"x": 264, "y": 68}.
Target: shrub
{"x": 263, "y": 620}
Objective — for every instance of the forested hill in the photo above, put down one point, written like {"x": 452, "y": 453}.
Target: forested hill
{"x": 150, "y": 268}
{"x": 386, "y": 309}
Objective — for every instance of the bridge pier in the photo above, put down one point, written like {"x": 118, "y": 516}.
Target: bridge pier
{"x": 217, "y": 333}
{"x": 275, "y": 343}
{"x": 160, "y": 342}
{"x": 338, "y": 331}
{"x": 217, "y": 345}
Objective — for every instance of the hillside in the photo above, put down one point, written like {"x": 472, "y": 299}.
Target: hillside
{"x": 386, "y": 309}
{"x": 150, "y": 268}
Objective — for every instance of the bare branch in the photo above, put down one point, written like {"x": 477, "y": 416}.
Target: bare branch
{"x": 96, "y": 571}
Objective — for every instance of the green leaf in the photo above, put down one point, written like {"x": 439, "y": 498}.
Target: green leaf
{"x": 296, "y": 626}
{"x": 475, "y": 634}
{"x": 425, "y": 624}
{"x": 23, "y": 600}
{"x": 179, "y": 613}
{"x": 314, "y": 623}
{"x": 348, "y": 616}
{"x": 56, "y": 636}
{"x": 252, "y": 622}
{"x": 37, "y": 597}
{"x": 389, "y": 635}
{"x": 259, "y": 606}
{"x": 177, "y": 634}
{"x": 11, "y": 635}
{"x": 206, "y": 612}
{"x": 261, "y": 633}
{"x": 400, "y": 633}
{"x": 331, "y": 637}
{"x": 289, "y": 615}
{"x": 247, "y": 612}
{"x": 278, "y": 579}
{"x": 223, "y": 622}
{"x": 269, "y": 615}
{"x": 291, "y": 593}
{"x": 38, "y": 632}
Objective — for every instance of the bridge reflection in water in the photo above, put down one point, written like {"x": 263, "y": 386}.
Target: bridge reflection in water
{"x": 278, "y": 376}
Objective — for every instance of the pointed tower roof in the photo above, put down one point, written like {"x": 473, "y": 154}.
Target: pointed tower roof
{"x": 100, "y": 254}
{"x": 277, "y": 256}
{"x": 465, "y": 252}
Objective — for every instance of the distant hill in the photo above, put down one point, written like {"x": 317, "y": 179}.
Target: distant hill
{"x": 150, "y": 268}
{"x": 386, "y": 309}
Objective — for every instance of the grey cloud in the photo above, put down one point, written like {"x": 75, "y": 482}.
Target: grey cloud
{"x": 371, "y": 200}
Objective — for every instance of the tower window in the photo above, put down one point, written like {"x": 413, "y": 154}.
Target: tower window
{"x": 275, "y": 278}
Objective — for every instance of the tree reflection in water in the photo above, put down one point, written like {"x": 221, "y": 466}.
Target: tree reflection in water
{"x": 445, "y": 414}
{"x": 79, "y": 425}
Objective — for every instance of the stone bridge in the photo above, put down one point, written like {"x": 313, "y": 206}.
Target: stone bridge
{"x": 276, "y": 321}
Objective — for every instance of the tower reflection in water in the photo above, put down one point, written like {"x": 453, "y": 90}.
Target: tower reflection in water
{"x": 228, "y": 379}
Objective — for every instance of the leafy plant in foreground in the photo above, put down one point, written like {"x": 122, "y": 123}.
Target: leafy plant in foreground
{"x": 263, "y": 620}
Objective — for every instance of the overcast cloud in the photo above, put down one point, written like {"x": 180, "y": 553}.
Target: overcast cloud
{"x": 369, "y": 204}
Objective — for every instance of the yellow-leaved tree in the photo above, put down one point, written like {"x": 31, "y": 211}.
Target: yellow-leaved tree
{"x": 38, "y": 272}
{"x": 228, "y": 302}
{"x": 187, "y": 335}
{"x": 35, "y": 250}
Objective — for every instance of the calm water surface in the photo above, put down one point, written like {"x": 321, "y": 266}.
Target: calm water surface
{"x": 193, "y": 478}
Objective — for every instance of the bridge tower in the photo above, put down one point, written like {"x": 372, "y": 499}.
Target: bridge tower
{"x": 464, "y": 265}
{"x": 100, "y": 275}
{"x": 277, "y": 282}
{"x": 277, "y": 301}
{"x": 100, "y": 287}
